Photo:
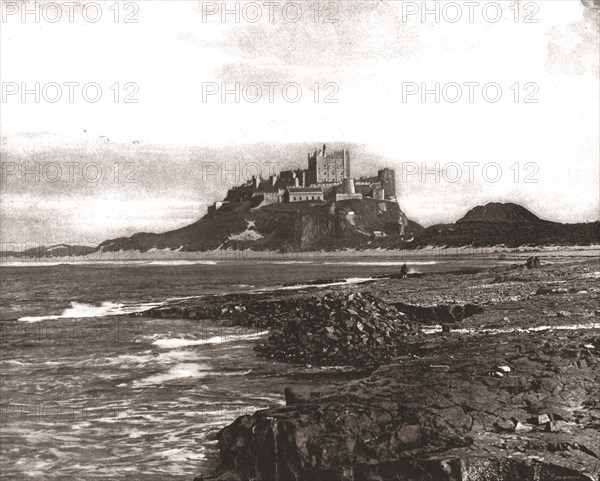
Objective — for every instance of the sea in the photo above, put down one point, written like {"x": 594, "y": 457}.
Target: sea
{"x": 89, "y": 391}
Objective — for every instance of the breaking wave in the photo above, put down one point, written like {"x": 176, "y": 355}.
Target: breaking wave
{"x": 174, "y": 343}
{"x": 83, "y": 310}
{"x": 180, "y": 371}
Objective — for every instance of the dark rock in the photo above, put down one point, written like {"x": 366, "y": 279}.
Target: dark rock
{"x": 417, "y": 418}
{"x": 506, "y": 425}
{"x": 293, "y": 397}
{"x": 340, "y": 329}
{"x": 554, "y": 426}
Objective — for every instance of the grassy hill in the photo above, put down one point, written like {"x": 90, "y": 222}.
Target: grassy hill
{"x": 293, "y": 226}
{"x": 507, "y": 224}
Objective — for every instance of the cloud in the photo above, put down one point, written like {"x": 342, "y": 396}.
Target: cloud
{"x": 574, "y": 48}
{"x": 369, "y": 52}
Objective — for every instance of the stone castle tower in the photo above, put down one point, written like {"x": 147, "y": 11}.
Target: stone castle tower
{"x": 328, "y": 167}
{"x": 387, "y": 178}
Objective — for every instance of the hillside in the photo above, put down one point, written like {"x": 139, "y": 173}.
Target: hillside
{"x": 358, "y": 224}
{"x": 286, "y": 226}
{"x": 508, "y": 224}
{"x": 499, "y": 213}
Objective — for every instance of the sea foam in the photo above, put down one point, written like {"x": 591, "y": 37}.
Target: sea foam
{"x": 174, "y": 343}
{"x": 83, "y": 310}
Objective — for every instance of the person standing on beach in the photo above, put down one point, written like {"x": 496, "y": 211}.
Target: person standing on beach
{"x": 404, "y": 271}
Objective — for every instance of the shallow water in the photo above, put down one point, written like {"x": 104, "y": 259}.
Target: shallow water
{"x": 126, "y": 398}
{"x": 91, "y": 393}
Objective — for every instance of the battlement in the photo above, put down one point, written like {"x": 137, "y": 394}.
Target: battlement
{"x": 328, "y": 155}
{"x": 328, "y": 172}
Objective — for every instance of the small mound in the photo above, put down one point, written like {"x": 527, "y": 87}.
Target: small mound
{"x": 341, "y": 329}
{"x": 499, "y": 213}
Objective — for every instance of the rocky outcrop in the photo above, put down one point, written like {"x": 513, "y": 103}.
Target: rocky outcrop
{"x": 287, "y": 226}
{"x": 340, "y": 329}
{"x": 331, "y": 328}
{"x": 473, "y": 410}
{"x": 511, "y": 396}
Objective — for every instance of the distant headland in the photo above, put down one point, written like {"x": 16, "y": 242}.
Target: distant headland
{"x": 325, "y": 208}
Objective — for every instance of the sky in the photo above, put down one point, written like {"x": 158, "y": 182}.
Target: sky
{"x": 151, "y": 142}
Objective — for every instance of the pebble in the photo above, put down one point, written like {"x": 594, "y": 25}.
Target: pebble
{"x": 543, "y": 419}
{"x": 554, "y": 426}
{"x": 520, "y": 427}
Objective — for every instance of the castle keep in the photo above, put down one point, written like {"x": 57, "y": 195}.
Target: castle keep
{"x": 328, "y": 178}
{"x": 328, "y": 168}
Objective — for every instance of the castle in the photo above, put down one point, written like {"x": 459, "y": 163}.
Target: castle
{"x": 328, "y": 178}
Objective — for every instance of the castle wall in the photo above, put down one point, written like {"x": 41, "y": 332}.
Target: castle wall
{"x": 339, "y": 197}
{"x": 330, "y": 170}
{"x": 271, "y": 197}
{"x": 304, "y": 196}
{"x": 387, "y": 178}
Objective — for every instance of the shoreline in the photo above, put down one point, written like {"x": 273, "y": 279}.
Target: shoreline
{"x": 429, "y": 254}
{"x": 508, "y": 392}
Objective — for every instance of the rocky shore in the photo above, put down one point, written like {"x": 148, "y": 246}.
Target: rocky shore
{"x": 521, "y": 411}
{"x": 493, "y": 375}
